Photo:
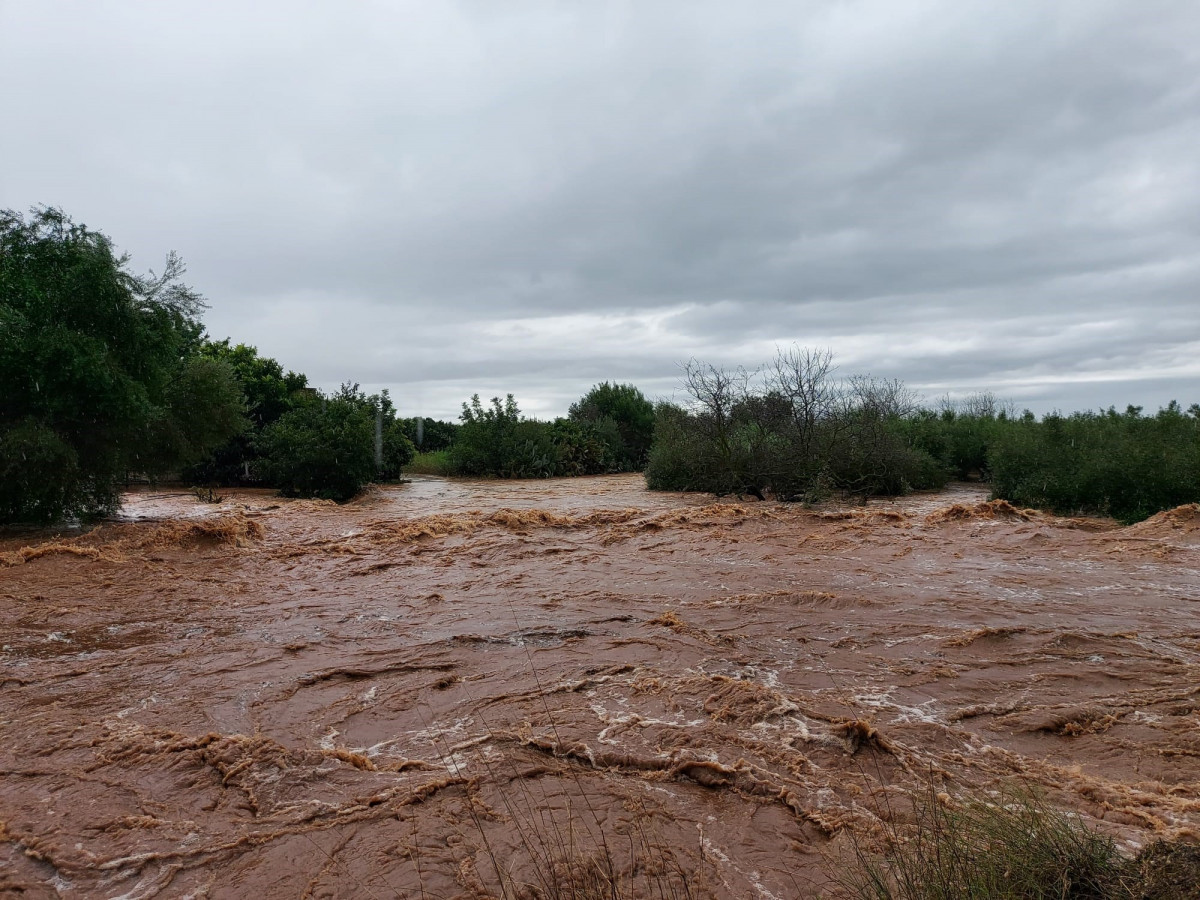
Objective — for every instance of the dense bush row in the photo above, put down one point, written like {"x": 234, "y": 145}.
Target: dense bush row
{"x": 794, "y": 432}
{"x": 1124, "y": 465}
{"x": 608, "y": 430}
{"x": 303, "y": 442}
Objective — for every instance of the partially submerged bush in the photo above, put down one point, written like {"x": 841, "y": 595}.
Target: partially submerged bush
{"x": 497, "y": 441}
{"x": 622, "y": 417}
{"x": 1124, "y": 465}
{"x": 326, "y": 448}
{"x": 793, "y": 432}
{"x": 1011, "y": 846}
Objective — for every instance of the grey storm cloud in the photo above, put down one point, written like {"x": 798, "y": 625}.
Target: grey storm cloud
{"x": 444, "y": 198}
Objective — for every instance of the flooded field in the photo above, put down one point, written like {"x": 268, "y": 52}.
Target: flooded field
{"x": 445, "y": 685}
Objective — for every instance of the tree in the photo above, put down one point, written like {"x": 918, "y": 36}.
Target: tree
{"x": 269, "y": 392}
{"x": 96, "y": 376}
{"x": 622, "y": 412}
{"x": 497, "y": 440}
{"x": 325, "y": 447}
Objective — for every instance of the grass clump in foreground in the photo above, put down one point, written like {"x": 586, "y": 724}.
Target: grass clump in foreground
{"x": 1014, "y": 846}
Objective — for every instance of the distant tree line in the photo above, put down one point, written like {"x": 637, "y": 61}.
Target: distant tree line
{"x": 794, "y": 431}
{"x": 106, "y": 373}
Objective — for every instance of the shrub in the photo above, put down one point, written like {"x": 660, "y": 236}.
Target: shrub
{"x": 1124, "y": 465}
{"x": 325, "y": 449}
{"x": 497, "y": 441}
{"x": 585, "y": 448}
{"x": 794, "y": 433}
{"x": 40, "y": 478}
{"x": 1013, "y": 846}
{"x": 267, "y": 391}
{"x": 623, "y": 418}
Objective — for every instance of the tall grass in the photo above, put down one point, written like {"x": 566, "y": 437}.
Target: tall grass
{"x": 1013, "y": 846}
{"x": 432, "y": 462}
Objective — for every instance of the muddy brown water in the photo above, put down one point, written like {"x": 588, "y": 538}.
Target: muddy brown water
{"x": 448, "y": 685}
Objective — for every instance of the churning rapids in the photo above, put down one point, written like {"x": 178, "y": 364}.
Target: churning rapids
{"x": 448, "y": 683}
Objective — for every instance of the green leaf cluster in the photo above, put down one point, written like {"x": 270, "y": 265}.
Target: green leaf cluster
{"x": 98, "y": 371}
{"x": 495, "y": 440}
{"x": 325, "y": 446}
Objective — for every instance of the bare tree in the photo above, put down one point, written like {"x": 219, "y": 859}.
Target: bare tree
{"x": 804, "y": 376}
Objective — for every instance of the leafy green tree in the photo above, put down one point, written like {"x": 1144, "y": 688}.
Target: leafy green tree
{"x": 325, "y": 447}
{"x": 397, "y": 449}
{"x": 269, "y": 392}
{"x": 496, "y": 440}
{"x": 624, "y": 417}
{"x": 204, "y": 407}
{"x": 435, "y": 434}
{"x": 95, "y": 371}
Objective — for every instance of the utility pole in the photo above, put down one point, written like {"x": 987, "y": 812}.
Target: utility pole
{"x": 378, "y": 439}
{"x": 420, "y": 431}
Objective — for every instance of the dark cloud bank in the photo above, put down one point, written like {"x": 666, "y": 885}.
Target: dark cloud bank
{"x": 450, "y": 198}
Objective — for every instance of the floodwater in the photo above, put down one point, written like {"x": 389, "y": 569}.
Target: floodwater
{"x": 471, "y": 689}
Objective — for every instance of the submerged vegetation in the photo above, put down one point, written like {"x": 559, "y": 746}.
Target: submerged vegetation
{"x": 608, "y": 430}
{"x": 1013, "y": 846}
{"x": 794, "y": 432}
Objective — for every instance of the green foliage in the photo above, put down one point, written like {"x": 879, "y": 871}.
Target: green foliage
{"x": 96, "y": 377}
{"x": 497, "y": 441}
{"x": 798, "y": 434}
{"x": 1011, "y": 847}
{"x": 435, "y": 434}
{"x": 268, "y": 393}
{"x": 585, "y": 448}
{"x": 321, "y": 450}
{"x": 434, "y": 462}
{"x": 795, "y": 434}
{"x": 204, "y": 407}
{"x": 1124, "y": 465}
{"x": 623, "y": 418}
{"x": 40, "y": 479}
{"x": 674, "y": 464}
{"x": 325, "y": 446}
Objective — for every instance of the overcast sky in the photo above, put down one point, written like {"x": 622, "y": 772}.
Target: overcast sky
{"x": 449, "y": 198}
